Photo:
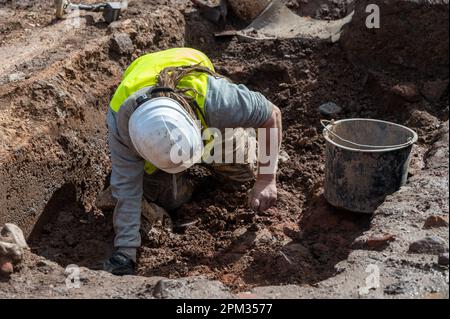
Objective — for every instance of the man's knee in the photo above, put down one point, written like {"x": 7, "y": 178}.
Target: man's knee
{"x": 167, "y": 190}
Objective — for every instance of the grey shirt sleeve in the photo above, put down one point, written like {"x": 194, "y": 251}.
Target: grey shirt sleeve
{"x": 230, "y": 105}
{"x": 126, "y": 185}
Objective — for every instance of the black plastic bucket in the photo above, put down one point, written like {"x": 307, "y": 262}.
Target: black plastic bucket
{"x": 366, "y": 160}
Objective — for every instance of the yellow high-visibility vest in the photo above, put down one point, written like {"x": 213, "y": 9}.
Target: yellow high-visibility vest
{"x": 144, "y": 71}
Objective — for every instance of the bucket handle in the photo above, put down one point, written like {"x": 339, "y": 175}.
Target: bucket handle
{"x": 325, "y": 124}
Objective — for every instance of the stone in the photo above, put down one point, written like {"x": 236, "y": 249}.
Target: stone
{"x": 436, "y": 222}
{"x": 407, "y": 91}
{"x": 443, "y": 259}
{"x": 240, "y": 231}
{"x": 10, "y": 251}
{"x": 263, "y": 236}
{"x": 191, "y": 288}
{"x": 15, "y": 77}
{"x": 13, "y": 234}
{"x": 122, "y": 44}
{"x": 433, "y": 90}
{"x": 12, "y": 245}
{"x": 154, "y": 235}
{"x": 432, "y": 245}
{"x": 329, "y": 109}
{"x": 380, "y": 241}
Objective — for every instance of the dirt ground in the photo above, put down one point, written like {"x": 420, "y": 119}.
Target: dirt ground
{"x": 299, "y": 242}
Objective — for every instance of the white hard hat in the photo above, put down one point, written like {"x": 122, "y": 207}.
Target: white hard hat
{"x": 164, "y": 134}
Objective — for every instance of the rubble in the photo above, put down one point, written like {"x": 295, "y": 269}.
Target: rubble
{"x": 122, "y": 44}
{"x": 284, "y": 157}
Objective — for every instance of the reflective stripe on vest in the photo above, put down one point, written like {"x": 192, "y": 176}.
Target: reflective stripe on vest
{"x": 144, "y": 71}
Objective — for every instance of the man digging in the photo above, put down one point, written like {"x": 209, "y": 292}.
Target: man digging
{"x": 160, "y": 122}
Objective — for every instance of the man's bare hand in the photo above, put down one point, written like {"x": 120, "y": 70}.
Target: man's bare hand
{"x": 263, "y": 195}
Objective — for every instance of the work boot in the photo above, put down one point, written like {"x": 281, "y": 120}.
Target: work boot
{"x": 119, "y": 264}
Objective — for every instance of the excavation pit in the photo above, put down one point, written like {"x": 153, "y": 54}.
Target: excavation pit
{"x": 229, "y": 243}
{"x": 54, "y": 155}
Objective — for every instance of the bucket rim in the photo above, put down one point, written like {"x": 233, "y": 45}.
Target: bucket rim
{"x": 380, "y": 150}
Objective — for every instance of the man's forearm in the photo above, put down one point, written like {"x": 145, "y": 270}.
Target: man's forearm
{"x": 264, "y": 192}
{"x": 268, "y": 154}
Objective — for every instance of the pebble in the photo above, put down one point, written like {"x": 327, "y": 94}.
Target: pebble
{"x": 436, "y": 222}
{"x": 283, "y": 157}
{"x": 13, "y": 234}
{"x": 240, "y": 231}
{"x": 122, "y": 44}
{"x": 14, "y": 77}
{"x": 329, "y": 109}
{"x": 264, "y": 236}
